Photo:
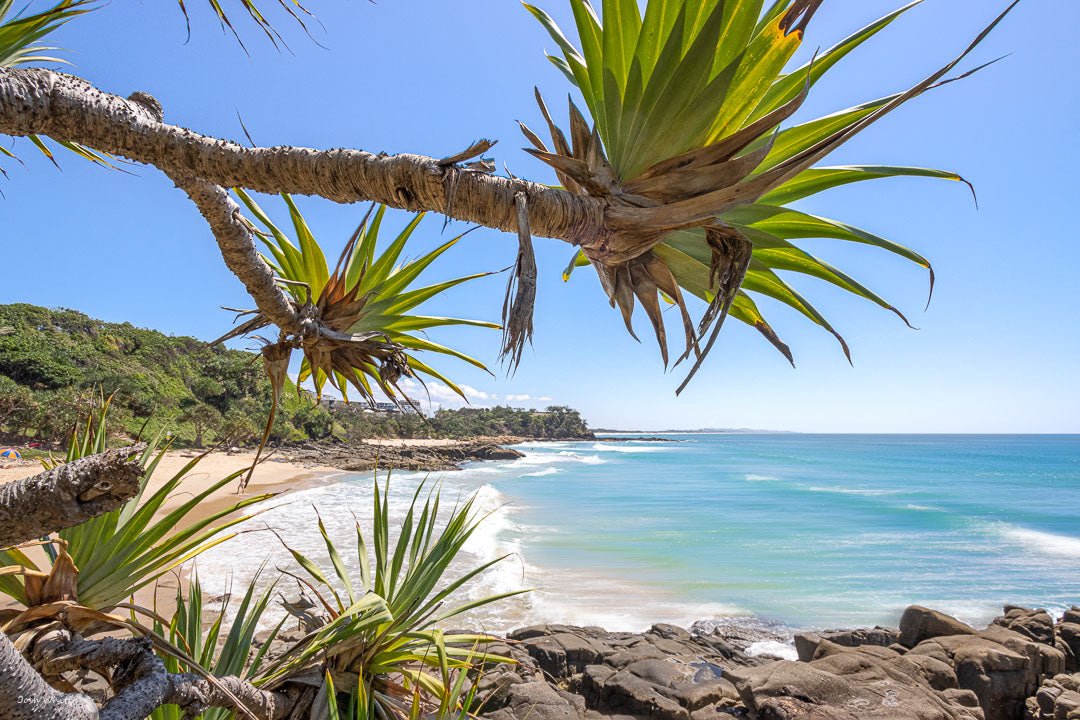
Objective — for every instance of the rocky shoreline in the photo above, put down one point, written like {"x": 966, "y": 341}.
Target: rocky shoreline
{"x": 406, "y": 455}
{"x": 1024, "y": 666}
{"x": 397, "y": 456}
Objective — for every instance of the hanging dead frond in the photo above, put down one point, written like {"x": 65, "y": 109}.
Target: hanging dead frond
{"x": 517, "y": 315}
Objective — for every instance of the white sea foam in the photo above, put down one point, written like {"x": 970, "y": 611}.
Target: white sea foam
{"x": 618, "y": 447}
{"x": 1044, "y": 542}
{"x": 563, "y": 456}
{"x": 751, "y": 477}
{"x": 853, "y": 491}
{"x": 772, "y": 647}
{"x": 544, "y": 472}
{"x": 927, "y": 508}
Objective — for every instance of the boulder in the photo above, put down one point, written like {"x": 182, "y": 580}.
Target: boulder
{"x": 848, "y": 684}
{"x": 666, "y": 673}
{"x": 1068, "y": 642}
{"x": 566, "y": 653}
{"x": 665, "y": 688}
{"x": 538, "y": 701}
{"x": 806, "y": 643}
{"x": 1001, "y": 666}
{"x": 1036, "y": 625}
{"x": 1057, "y": 699}
{"x": 919, "y": 623}
{"x": 493, "y": 689}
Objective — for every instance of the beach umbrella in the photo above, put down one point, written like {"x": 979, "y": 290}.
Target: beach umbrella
{"x": 9, "y": 453}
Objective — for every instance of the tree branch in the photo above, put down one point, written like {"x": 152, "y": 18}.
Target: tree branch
{"x": 67, "y": 495}
{"x": 24, "y": 694}
{"x": 237, "y": 245}
{"x": 143, "y": 684}
{"x": 64, "y": 107}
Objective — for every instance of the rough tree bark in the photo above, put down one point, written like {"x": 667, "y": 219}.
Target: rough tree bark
{"x": 138, "y": 674}
{"x": 24, "y": 694}
{"x": 60, "y": 498}
{"x": 64, "y": 107}
{"x": 68, "y": 495}
{"x": 237, "y": 245}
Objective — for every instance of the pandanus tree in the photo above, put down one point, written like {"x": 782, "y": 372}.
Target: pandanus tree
{"x": 674, "y": 182}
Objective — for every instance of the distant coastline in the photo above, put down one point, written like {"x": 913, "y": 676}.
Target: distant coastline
{"x": 698, "y": 431}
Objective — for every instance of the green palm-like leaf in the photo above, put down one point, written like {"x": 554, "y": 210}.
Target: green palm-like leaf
{"x": 691, "y": 151}
{"x": 19, "y": 36}
{"x": 199, "y": 640}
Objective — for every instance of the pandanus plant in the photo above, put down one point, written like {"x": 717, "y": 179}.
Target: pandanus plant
{"x": 377, "y": 637}
{"x": 367, "y": 335}
{"x": 687, "y": 104}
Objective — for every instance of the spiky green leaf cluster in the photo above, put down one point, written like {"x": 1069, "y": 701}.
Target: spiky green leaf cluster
{"x": 216, "y": 648}
{"x": 19, "y": 36}
{"x": 127, "y": 549}
{"x": 694, "y": 82}
{"x": 382, "y": 624}
{"x": 369, "y": 294}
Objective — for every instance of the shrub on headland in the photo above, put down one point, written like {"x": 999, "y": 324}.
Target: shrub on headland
{"x": 53, "y": 362}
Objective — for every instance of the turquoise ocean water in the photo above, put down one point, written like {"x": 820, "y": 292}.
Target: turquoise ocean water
{"x": 804, "y": 531}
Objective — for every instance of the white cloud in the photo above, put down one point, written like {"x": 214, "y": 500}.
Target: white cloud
{"x": 434, "y": 395}
{"x": 474, "y": 394}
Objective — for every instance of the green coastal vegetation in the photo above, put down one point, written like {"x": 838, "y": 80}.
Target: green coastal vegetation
{"x": 55, "y": 362}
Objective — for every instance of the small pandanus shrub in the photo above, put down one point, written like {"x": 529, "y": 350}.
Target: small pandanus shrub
{"x": 104, "y": 561}
{"x": 686, "y": 145}
{"x": 376, "y": 636}
{"x": 212, "y": 645}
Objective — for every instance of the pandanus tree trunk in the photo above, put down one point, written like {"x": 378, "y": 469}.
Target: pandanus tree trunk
{"x": 24, "y": 694}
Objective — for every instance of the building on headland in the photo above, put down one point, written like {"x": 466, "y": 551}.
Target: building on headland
{"x": 380, "y": 408}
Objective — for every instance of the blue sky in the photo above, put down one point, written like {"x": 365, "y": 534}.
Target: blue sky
{"x": 996, "y": 352}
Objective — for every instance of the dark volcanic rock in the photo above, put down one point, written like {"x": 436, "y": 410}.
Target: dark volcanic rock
{"x": 848, "y": 684}
{"x": 941, "y": 669}
{"x": 666, "y": 673}
{"x": 539, "y": 701}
